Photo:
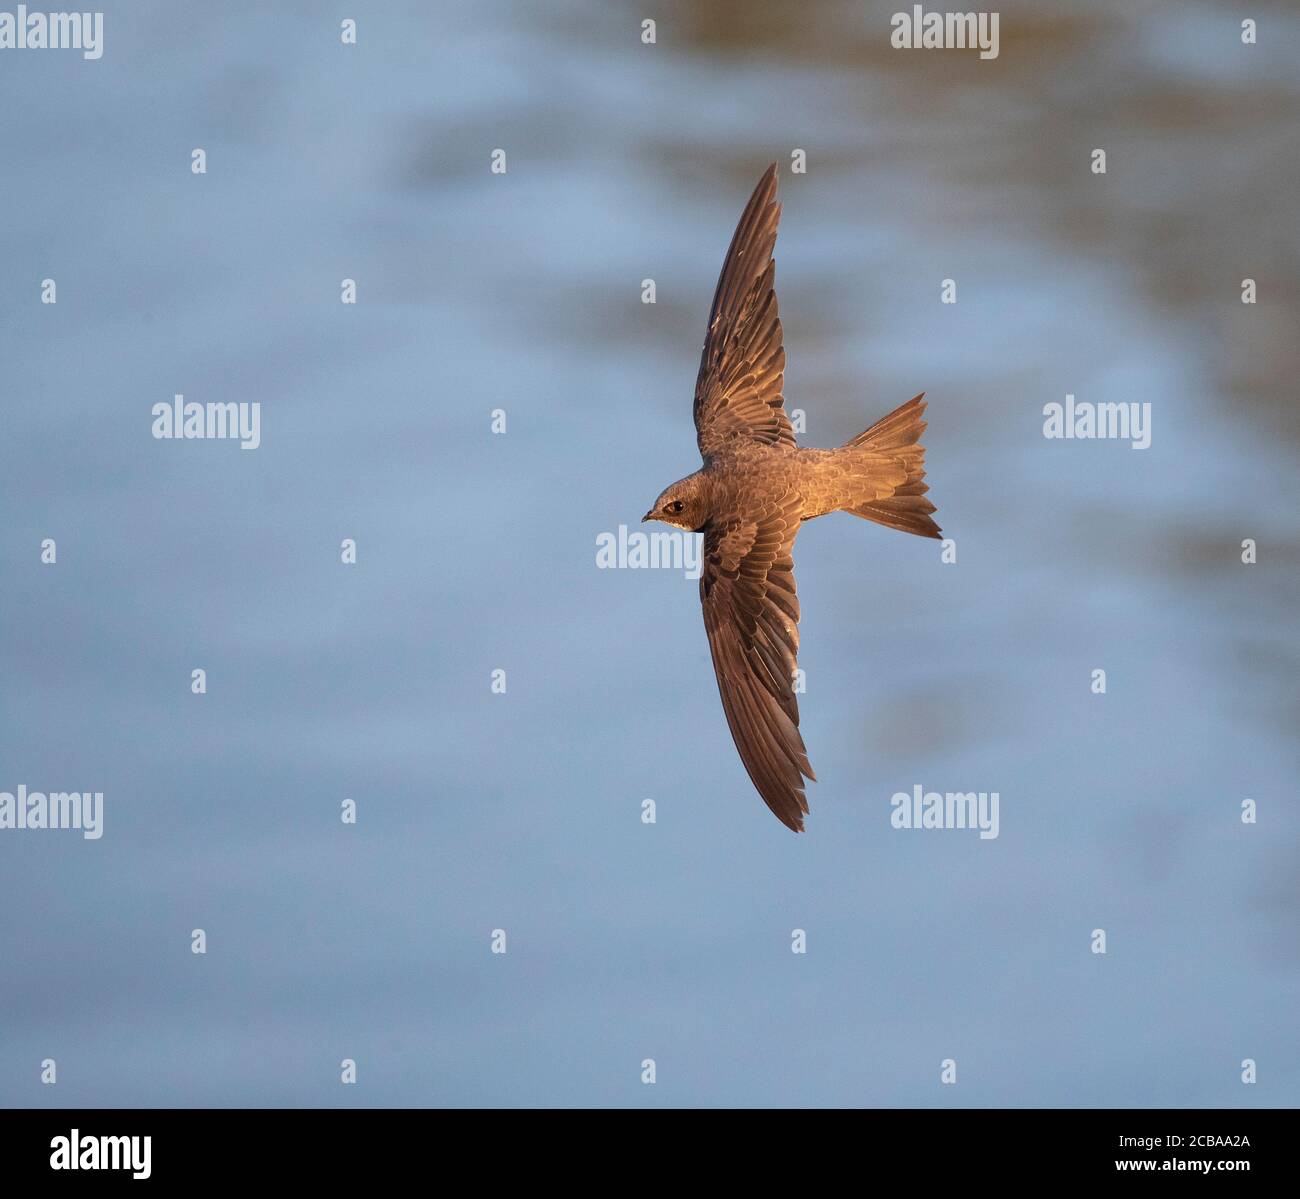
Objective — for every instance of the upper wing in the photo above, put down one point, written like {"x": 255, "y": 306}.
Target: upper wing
{"x": 742, "y": 368}
{"x": 751, "y": 614}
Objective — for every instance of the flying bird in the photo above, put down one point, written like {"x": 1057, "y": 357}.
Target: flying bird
{"x": 755, "y": 489}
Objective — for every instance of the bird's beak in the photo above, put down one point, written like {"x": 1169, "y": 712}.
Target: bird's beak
{"x": 647, "y": 516}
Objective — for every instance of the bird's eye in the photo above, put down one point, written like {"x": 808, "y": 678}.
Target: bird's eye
{"x": 675, "y": 506}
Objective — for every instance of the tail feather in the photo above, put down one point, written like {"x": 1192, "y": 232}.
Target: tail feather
{"x": 895, "y": 441}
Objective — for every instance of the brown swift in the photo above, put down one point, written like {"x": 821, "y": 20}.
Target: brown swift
{"x": 753, "y": 492}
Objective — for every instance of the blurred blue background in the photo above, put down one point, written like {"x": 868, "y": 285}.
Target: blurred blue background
{"x": 476, "y": 551}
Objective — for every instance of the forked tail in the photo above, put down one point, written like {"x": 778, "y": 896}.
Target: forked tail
{"x": 893, "y": 469}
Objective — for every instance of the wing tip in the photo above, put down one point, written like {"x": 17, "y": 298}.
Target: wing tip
{"x": 767, "y": 184}
{"x": 792, "y": 820}
{"x": 791, "y": 807}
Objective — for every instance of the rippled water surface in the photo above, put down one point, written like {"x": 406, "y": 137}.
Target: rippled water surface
{"x": 477, "y": 552}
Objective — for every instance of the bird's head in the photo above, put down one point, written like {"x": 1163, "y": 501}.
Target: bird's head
{"x": 683, "y": 505}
